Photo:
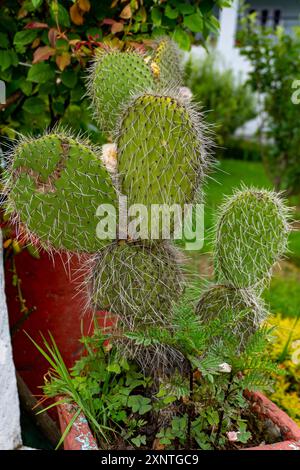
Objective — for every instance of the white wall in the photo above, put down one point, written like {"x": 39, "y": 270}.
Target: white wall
{"x": 231, "y": 56}
{"x": 10, "y": 432}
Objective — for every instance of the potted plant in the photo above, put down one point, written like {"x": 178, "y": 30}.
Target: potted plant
{"x": 220, "y": 350}
{"x": 177, "y": 361}
{"x": 109, "y": 402}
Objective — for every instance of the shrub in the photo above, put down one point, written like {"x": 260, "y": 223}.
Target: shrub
{"x": 45, "y": 46}
{"x": 274, "y": 57}
{"x": 239, "y": 148}
{"x": 286, "y": 350}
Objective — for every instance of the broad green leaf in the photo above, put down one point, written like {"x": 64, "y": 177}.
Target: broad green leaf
{"x": 185, "y": 8}
{"x": 213, "y": 417}
{"x": 40, "y": 73}
{"x": 156, "y": 16}
{"x": 194, "y": 22}
{"x": 169, "y": 399}
{"x": 60, "y": 14}
{"x": 36, "y": 3}
{"x": 69, "y": 78}
{"x": 139, "y": 440}
{"x": 114, "y": 368}
{"x": 212, "y": 23}
{"x": 139, "y": 404}
{"x": 34, "y": 105}
{"x": 182, "y": 38}
{"x": 23, "y": 38}
{"x": 62, "y": 45}
{"x": 4, "y": 40}
{"x": 5, "y": 59}
{"x": 13, "y": 57}
{"x": 8, "y": 58}
{"x": 171, "y": 13}
{"x": 224, "y": 3}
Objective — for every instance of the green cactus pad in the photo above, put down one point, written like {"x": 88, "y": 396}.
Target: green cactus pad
{"x": 251, "y": 236}
{"x": 55, "y": 185}
{"x": 161, "y": 151}
{"x": 116, "y": 76}
{"x": 139, "y": 283}
{"x": 242, "y": 305}
{"x": 166, "y": 64}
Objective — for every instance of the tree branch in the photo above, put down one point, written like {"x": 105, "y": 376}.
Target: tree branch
{"x": 11, "y": 100}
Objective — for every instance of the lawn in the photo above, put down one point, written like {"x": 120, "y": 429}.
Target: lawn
{"x": 284, "y": 294}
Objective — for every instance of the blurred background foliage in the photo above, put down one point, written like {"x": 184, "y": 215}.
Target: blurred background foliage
{"x": 275, "y": 67}
{"x": 45, "y": 46}
{"x": 286, "y": 351}
{"x": 226, "y": 100}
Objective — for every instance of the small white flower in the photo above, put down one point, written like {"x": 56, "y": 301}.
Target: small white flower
{"x": 186, "y": 93}
{"x": 224, "y": 367}
{"x": 109, "y": 157}
{"x": 233, "y": 436}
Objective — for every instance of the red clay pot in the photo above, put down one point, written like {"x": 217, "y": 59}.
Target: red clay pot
{"x": 289, "y": 430}
{"x": 80, "y": 436}
{"x": 50, "y": 286}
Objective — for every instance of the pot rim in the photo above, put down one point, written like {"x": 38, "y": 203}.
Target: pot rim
{"x": 80, "y": 436}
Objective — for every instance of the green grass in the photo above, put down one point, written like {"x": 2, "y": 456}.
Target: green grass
{"x": 284, "y": 294}
{"x": 294, "y": 246}
{"x": 229, "y": 174}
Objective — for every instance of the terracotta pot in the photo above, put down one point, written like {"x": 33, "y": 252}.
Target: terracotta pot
{"x": 81, "y": 438}
{"x": 267, "y": 410}
{"x": 50, "y": 287}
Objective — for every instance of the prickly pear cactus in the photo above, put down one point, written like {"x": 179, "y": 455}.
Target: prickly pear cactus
{"x": 166, "y": 64}
{"x": 138, "y": 282}
{"x": 114, "y": 77}
{"x": 161, "y": 151}
{"x": 242, "y": 304}
{"x": 251, "y": 236}
{"x": 54, "y": 187}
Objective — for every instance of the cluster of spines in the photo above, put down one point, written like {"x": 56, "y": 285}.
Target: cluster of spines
{"x": 166, "y": 64}
{"x": 146, "y": 276}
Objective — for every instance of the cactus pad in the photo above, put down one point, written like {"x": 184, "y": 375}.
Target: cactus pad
{"x": 243, "y": 305}
{"x": 139, "y": 283}
{"x": 55, "y": 185}
{"x": 166, "y": 64}
{"x": 161, "y": 152}
{"x": 251, "y": 236}
{"x": 115, "y": 77}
